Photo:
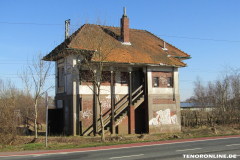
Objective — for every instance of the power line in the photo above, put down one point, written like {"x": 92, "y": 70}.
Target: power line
{"x": 196, "y": 38}
{"x": 205, "y": 39}
{"x": 13, "y": 60}
{"x": 42, "y": 24}
{"x": 27, "y": 74}
{"x": 18, "y": 77}
{"x": 29, "y": 23}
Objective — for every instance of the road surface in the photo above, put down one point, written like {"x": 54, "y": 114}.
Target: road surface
{"x": 199, "y": 148}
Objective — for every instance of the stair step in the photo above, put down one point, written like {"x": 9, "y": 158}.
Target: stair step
{"x": 138, "y": 102}
{"x": 119, "y": 113}
{"x": 121, "y": 116}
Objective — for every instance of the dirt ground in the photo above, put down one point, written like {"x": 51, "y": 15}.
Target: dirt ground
{"x": 186, "y": 133}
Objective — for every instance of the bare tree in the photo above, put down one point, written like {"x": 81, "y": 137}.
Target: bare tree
{"x": 93, "y": 63}
{"x": 98, "y": 41}
{"x": 200, "y": 92}
{"x": 35, "y": 76}
{"x": 222, "y": 96}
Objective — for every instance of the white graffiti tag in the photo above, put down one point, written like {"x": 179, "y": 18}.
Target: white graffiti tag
{"x": 163, "y": 117}
{"x": 86, "y": 114}
{"x": 120, "y": 121}
{"x": 106, "y": 103}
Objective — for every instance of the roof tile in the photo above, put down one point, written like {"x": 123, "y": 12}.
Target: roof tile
{"x": 145, "y": 48}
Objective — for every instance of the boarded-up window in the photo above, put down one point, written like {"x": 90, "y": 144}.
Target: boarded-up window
{"x": 106, "y": 78}
{"x": 124, "y": 78}
{"x": 61, "y": 79}
{"x": 86, "y": 78}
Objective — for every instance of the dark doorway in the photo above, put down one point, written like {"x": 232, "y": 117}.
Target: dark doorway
{"x": 140, "y": 126}
{"x": 137, "y": 79}
{"x": 55, "y": 124}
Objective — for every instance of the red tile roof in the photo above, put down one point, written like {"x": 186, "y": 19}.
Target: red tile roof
{"x": 145, "y": 47}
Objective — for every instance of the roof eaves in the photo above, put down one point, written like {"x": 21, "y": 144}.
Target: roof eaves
{"x": 182, "y": 58}
{"x": 64, "y": 45}
{"x": 142, "y": 64}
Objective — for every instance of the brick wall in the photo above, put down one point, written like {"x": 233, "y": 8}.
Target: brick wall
{"x": 87, "y": 113}
{"x": 162, "y": 79}
{"x": 163, "y": 101}
{"x": 123, "y": 126}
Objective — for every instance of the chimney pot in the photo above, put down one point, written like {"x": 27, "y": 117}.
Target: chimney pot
{"x": 124, "y": 12}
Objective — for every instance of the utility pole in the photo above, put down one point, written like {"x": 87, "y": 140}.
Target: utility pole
{"x": 67, "y": 23}
{"x": 46, "y": 116}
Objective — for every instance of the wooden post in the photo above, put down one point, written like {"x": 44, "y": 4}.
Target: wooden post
{"x": 95, "y": 107}
{"x": 131, "y": 119}
{"x": 130, "y": 88}
{"x": 173, "y": 84}
{"x": 112, "y": 105}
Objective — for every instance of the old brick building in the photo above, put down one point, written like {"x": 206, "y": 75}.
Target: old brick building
{"x": 140, "y": 68}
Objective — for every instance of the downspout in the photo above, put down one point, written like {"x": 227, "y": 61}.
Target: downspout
{"x": 173, "y": 85}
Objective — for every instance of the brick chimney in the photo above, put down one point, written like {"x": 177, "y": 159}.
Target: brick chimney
{"x": 125, "y": 28}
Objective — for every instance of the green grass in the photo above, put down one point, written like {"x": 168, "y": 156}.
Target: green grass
{"x": 33, "y": 146}
{"x": 55, "y": 145}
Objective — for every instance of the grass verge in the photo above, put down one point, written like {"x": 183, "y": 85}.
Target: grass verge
{"x": 55, "y": 143}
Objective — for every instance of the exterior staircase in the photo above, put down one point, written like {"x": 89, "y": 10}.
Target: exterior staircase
{"x": 29, "y": 127}
{"x": 120, "y": 111}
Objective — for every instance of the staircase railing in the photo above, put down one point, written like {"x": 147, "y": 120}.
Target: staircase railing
{"x": 39, "y": 126}
{"x": 121, "y": 105}
{"x": 138, "y": 91}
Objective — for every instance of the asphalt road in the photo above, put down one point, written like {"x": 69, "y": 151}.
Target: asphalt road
{"x": 203, "y": 148}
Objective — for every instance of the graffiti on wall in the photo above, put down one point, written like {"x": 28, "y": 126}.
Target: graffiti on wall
{"x": 164, "y": 117}
{"x": 86, "y": 114}
{"x": 106, "y": 103}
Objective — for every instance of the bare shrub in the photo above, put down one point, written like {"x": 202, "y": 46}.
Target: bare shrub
{"x": 8, "y": 126}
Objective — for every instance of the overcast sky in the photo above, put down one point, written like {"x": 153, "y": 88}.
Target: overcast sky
{"x": 208, "y": 30}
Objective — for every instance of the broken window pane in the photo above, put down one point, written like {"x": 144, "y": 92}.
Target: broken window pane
{"x": 169, "y": 81}
{"x": 156, "y": 82}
